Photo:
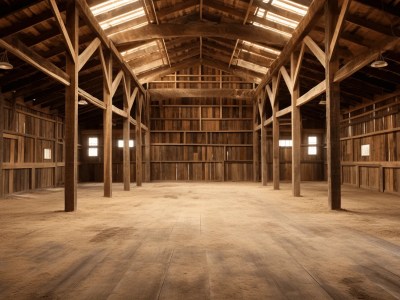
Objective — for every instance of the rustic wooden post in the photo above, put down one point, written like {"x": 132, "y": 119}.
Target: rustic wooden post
{"x": 264, "y": 149}
{"x": 275, "y": 146}
{"x": 127, "y": 136}
{"x": 147, "y": 140}
{"x": 107, "y": 128}
{"x": 296, "y": 134}
{"x": 71, "y": 111}
{"x": 1, "y": 144}
{"x": 139, "y": 141}
{"x": 256, "y": 151}
{"x": 332, "y": 107}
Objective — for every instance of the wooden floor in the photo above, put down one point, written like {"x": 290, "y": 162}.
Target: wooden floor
{"x": 200, "y": 241}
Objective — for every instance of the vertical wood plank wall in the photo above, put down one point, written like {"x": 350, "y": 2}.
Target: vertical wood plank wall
{"x": 28, "y": 132}
{"x": 376, "y": 124}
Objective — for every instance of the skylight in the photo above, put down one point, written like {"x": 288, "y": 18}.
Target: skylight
{"x": 290, "y": 6}
{"x": 137, "y": 13}
{"x": 281, "y": 20}
{"x": 272, "y": 29}
{"x": 110, "y": 5}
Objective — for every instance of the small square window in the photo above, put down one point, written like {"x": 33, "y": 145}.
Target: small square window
{"x": 93, "y": 141}
{"x": 93, "y": 152}
{"x": 121, "y": 143}
{"x": 47, "y": 153}
{"x": 285, "y": 143}
{"x": 365, "y": 150}
{"x": 312, "y": 140}
{"x": 312, "y": 150}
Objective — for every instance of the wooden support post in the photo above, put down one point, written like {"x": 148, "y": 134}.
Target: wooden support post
{"x": 381, "y": 179}
{"x": 296, "y": 134}
{"x": 275, "y": 147}
{"x": 256, "y": 151}
{"x": 55, "y": 151}
{"x": 332, "y": 109}
{"x": 147, "y": 141}
{"x": 127, "y": 136}
{"x": 71, "y": 112}
{"x": 264, "y": 151}
{"x": 1, "y": 144}
{"x": 107, "y": 129}
{"x": 139, "y": 141}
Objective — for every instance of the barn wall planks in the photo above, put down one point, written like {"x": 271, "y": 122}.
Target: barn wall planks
{"x": 91, "y": 167}
{"x": 32, "y": 139}
{"x": 370, "y": 134}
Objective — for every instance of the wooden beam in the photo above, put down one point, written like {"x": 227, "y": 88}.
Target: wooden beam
{"x": 332, "y": 110}
{"x": 139, "y": 166}
{"x": 119, "y": 112}
{"x": 91, "y": 99}
{"x": 147, "y": 140}
{"x": 249, "y": 33}
{"x": 2, "y": 144}
{"x": 339, "y": 26}
{"x": 107, "y": 131}
{"x": 16, "y": 47}
{"x": 71, "y": 112}
{"x": 61, "y": 26}
{"x": 306, "y": 24}
{"x": 88, "y": 52}
{"x": 127, "y": 136}
{"x": 132, "y": 98}
{"x": 295, "y": 78}
{"x": 104, "y": 67}
{"x": 264, "y": 152}
{"x": 319, "y": 89}
{"x": 275, "y": 147}
{"x": 202, "y": 93}
{"x": 284, "y": 112}
{"x": 287, "y": 79}
{"x": 256, "y": 144}
{"x": 315, "y": 49}
{"x": 116, "y": 82}
{"x": 296, "y": 143}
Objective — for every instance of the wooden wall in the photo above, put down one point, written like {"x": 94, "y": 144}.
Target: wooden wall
{"x": 376, "y": 124}
{"x": 91, "y": 168}
{"x": 28, "y": 131}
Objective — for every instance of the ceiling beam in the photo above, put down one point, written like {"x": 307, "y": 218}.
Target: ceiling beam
{"x": 201, "y": 93}
{"x": 231, "y": 31}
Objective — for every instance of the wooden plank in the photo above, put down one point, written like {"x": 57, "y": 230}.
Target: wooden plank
{"x": 315, "y": 49}
{"x": 287, "y": 79}
{"x": 88, "y": 52}
{"x": 264, "y": 153}
{"x": 71, "y": 113}
{"x": 16, "y": 47}
{"x": 132, "y": 98}
{"x": 256, "y": 144}
{"x": 61, "y": 26}
{"x": 295, "y": 78}
{"x": 107, "y": 131}
{"x": 201, "y": 93}
{"x": 139, "y": 166}
{"x": 306, "y": 24}
{"x": 249, "y": 33}
{"x": 332, "y": 110}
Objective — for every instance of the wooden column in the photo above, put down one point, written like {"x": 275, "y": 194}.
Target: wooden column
{"x": 1, "y": 144}
{"x": 296, "y": 140}
{"x": 264, "y": 151}
{"x": 256, "y": 152}
{"x": 147, "y": 141}
{"x": 107, "y": 129}
{"x": 127, "y": 136}
{"x": 139, "y": 141}
{"x": 332, "y": 109}
{"x": 275, "y": 146}
{"x": 71, "y": 111}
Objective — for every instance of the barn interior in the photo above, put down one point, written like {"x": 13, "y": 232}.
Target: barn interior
{"x": 186, "y": 149}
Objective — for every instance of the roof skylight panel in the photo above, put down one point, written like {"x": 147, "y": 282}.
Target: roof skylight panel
{"x": 281, "y": 20}
{"x": 137, "y": 13}
{"x": 290, "y": 6}
{"x": 109, "y": 5}
{"x": 272, "y": 29}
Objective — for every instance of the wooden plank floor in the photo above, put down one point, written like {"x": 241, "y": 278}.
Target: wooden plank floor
{"x": 200, "y": 241}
